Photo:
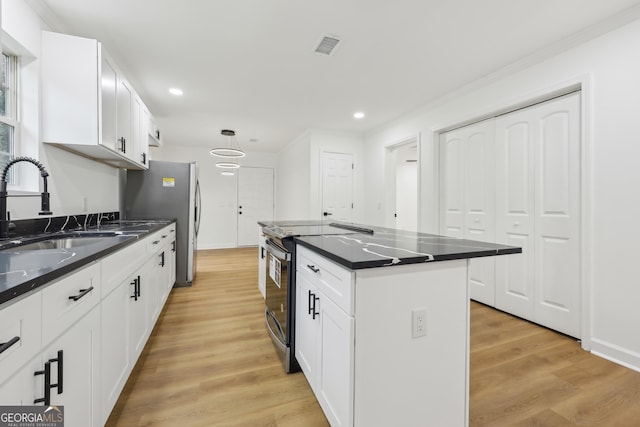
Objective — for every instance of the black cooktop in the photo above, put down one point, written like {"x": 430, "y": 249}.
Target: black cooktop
{"x": 282, "y": 230}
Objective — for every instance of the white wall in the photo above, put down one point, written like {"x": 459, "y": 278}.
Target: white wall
{"x": 299, "y": 186}
{"x": 219, "y": 220}
{"x": 608, "y": 67}
{"x": 71, "y": 177}
{"x": 293, "y": 179}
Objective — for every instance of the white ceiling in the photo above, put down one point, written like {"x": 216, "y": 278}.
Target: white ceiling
{"x": 249, "y": 65}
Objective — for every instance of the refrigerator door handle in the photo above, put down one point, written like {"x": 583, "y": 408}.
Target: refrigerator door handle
{"x": 198, "y": 210}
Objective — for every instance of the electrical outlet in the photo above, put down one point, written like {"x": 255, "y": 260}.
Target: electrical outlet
{"x": 418, "y": 322}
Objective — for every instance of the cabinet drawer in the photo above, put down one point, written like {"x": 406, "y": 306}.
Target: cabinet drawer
{"x": 164, "y": 236}
{"x": 335, "y": 281}
{"x": 20, "y": 324}
{"x": 68, "y": 299}
{"x": 119, "y": 266}
{"x": 154, "y": 242}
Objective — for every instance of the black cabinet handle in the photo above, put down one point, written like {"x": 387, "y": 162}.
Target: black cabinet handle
{"x": 173, "y": 246}
{"x": 313, "y": 268}
{"x": 327, "y": 213}
{"x": 60, "y": 363}
{"x": 315, "y": 313}
{"x": 82, "y": 293}
{"x": 47, "y": 379}
{"x": 47, "y": 384}
{"x": 312, "y": 304}
{"x": 123, "y": 144}
{"x": 262, "y": 252}
{"x": 155, "y": 242}
{"x": 139, "y": 286}
{"x": 162, "y": 259}
{"x": 135, "y": 289}
{"x": 5, "y": 345}
{"x": 144, "y": 158}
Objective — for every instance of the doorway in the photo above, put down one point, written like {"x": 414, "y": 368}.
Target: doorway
{"x": 402, "y": 184}
{"x": 255, "y": 202}
{"x": 337, "y": 186}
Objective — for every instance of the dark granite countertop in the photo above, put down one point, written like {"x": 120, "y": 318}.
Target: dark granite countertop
{"x": 23, "y": 271}
{"x": 388, "y": 247}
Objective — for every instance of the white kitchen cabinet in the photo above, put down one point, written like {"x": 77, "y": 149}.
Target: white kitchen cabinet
{"x": 358, "y": 352}
{"x": 87, "y": 104}
{"x": 23, "y": 387}
{"x": 119, "y": 289}
{"x": 154, "y": 135}
{"x": 76, "y": 355}
{"x": 20, "y": 333}
{"x": 467, "y": 197}
{"x": 325, "y": 334}
{"x": 140, "y": 126}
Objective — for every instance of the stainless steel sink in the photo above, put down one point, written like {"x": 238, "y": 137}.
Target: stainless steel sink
{"x": 67, "y": 242}
{"x": 63, "y": 243}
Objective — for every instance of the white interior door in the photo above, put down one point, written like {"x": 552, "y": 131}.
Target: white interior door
{"x": 538, "y": 208}
{"x": 337, "y": 186}
{"x": 468, "y": 199}
{"x": 255, "y": 202}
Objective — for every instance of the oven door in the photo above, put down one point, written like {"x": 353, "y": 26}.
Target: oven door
{"x": 277, "y": 288}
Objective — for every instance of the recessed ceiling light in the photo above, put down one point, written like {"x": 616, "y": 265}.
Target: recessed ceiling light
{"x": 175, "y": 91}
{"x": 358, "y": 115}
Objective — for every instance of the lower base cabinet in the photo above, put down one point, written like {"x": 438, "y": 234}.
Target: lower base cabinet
{"x": 355, "y": 342}
{"x": 116, "y": 349}
{"x": 324, "y": 350}
{"x": 76, "y": 356}
{"x": 23, "y": 388}
{"x": 85, "y": 332}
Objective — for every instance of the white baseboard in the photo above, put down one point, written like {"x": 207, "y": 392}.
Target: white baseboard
{"x": 215, "y": 246}
{"x": 616, "y": 354}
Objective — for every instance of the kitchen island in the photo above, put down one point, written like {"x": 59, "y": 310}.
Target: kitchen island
{"x": 382, "y": 325}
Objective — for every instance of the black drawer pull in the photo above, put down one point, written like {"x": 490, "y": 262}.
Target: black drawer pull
{"x": 162, "y": 259}
{"x": 47, "y": 379}
{"x": 313, "y": 268}
{"x": 60, "y": 371}
{"x": 135, "y": 289}
{"x": 47, "y": 384}
{"x": 155, "y": 242}
{"x": 82, "y": 293}
{"x": 5, "y": 345}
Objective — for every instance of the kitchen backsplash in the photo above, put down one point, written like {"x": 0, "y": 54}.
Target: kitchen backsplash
{"x": 29, "y": 227}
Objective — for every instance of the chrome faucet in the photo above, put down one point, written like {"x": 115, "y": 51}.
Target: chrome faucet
{"x": 5, "y": 220}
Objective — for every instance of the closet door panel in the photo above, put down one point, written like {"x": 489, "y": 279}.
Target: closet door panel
{"x": 514, "y": 213}
{"x": 557, "y": 200}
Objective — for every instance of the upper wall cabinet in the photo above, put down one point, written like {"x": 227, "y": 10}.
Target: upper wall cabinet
{"x": 88, "y": 106}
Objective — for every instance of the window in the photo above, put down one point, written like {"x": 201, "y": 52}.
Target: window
{"x": 8, "y": 110}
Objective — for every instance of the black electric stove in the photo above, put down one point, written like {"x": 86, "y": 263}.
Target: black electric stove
{"x": 280, "y": 278}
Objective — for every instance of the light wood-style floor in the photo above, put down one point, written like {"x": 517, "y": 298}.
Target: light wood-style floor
{"x": 210, "y": 362}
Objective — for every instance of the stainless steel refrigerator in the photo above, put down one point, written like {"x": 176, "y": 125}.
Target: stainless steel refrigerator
{"x": 169, "y": 190}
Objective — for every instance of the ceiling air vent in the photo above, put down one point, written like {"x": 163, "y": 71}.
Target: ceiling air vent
{"x": 327, "y": 44}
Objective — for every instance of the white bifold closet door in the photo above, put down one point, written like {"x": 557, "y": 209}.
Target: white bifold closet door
{"x": 468, "y": 182}
{"x": 538, "y": 208}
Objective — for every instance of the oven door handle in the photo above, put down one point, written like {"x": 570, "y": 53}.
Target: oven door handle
{"x": 271, "y": 247}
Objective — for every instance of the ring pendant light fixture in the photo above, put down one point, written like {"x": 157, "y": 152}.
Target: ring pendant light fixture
{"x": 228, "y": 152}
